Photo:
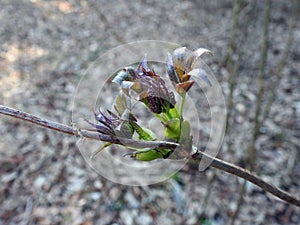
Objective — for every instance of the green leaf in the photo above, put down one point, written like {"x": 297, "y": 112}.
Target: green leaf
{"x": 172, "y": 130}
{"x": 148, "y": 155}
{"x": 185, "y": 136}
{"x": 151, "y": 133}
{"x": 144, "y": 133}
{"x": 120, "y": 103}
{"x": 100, "y": 149}
{"x": 125, "y": 130}
{"x": 174, "y": 113}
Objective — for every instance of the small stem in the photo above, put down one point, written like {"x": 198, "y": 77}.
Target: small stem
{"x": 182, "y": 106}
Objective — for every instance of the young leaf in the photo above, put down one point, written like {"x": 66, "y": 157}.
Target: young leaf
{"x": 172, "y": 129}
{"x": 185, "y": 136}
{"x": 143, "y": 134}
{"x": 100, "y": 149}
{"x": 148, "y": 155}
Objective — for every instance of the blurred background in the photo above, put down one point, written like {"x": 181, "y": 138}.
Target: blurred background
{"x": 46, "y": 46}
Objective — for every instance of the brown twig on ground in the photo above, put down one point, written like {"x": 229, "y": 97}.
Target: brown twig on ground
{"x": 28, "y": 212}
{"x": 216, "y": 163}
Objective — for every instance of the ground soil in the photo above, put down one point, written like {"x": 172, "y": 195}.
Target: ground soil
{"x": 46, "y": 46}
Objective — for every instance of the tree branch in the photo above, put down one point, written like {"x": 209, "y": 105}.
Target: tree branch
{"x": 247, "y": 175}
{"x": 216, "y": 163}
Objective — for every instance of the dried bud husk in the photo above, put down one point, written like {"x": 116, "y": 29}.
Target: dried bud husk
{"x": 180, "y": 68}
{"x": 173, "y": 76}
{"x": 184, "y": 87}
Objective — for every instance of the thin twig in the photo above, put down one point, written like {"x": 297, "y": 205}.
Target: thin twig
{"x": 252, "y": 151}
{"x": 232, "y": 65}
{"x": 232, "y": 85}
{"x": 83, "y": 133}
{"x": 282, "y": 62}
{"x": 239, "y": 203}
{"x": 216, "y": 163}
{"x": 259, "y": 95}
{"x": 247, "y": 175}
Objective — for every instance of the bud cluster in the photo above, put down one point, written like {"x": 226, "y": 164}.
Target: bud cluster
{"x": 153, "y": 92}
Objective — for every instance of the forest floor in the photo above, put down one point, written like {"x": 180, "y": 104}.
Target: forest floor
{"x": 45, "y": 48}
